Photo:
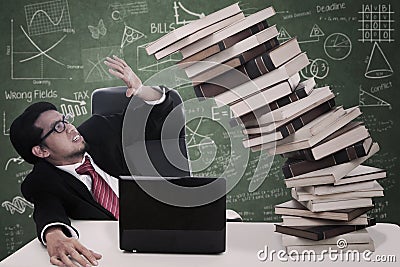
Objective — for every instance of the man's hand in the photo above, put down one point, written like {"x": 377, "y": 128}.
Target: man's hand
{"x": 62, "y": 250}
{"x": 120, "y": 69}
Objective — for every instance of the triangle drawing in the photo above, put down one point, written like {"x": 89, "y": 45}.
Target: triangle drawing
{"x": 369, "y": 100}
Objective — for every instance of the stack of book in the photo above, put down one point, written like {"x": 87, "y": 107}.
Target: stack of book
{"x": 238, "y": 61}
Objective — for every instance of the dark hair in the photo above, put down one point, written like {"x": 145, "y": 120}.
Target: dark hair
{"x": 24, "y": 134}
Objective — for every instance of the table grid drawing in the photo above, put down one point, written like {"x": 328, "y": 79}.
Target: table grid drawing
{"x": 47, "y": 17}
{"x": 376, "y": 23}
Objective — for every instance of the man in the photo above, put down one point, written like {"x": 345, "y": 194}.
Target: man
{"x": 75, "y": 168}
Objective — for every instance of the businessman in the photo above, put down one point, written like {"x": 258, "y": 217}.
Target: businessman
{"x": 75, "y": 170}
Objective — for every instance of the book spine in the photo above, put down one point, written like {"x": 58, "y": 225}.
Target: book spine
{"x": 345, "y": 155}
{"x": 307, "y": 117}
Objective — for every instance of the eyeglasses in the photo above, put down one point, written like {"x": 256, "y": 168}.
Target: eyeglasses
{"x": 59, "y": 126}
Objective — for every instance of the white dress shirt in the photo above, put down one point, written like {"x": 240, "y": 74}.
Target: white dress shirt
{"x": 87, "y": 180}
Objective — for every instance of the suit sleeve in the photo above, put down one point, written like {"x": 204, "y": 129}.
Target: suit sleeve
{"x": 48, "y": 208}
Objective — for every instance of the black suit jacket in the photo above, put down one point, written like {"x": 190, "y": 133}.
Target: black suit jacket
{"x": 58, "y": 196}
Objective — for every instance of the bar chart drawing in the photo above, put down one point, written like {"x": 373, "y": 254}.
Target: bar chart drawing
{"x": 47, "y": 17}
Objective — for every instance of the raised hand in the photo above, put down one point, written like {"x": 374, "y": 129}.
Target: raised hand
{"x": 120, "y": 69}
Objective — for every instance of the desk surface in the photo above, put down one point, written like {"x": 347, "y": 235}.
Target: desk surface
{"x": 244, "y": 240}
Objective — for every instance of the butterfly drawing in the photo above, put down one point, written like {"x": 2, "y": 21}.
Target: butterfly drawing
{"x": 99, "y": 30}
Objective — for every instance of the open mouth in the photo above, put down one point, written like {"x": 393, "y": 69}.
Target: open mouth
{"x": 76, "y": 138}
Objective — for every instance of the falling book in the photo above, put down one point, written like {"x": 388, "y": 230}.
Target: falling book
{"x": 291, "y": 127}
{"x": 222, "y": 78}
{"x": 330, "y": 175}
{"x": 197, "y": 36}
{"x": 294, "y": 167}
{"x": 225, "y": 55}
{"x": 356, "y": 150}
{"x": 320, "y": 232}
{"x": 263, "y": 123}
{"x": 301, "y": 91}
{"x": 224, "y": 44}
{"x": 320, "y": 190}
{"x": 301, "y": 195}
{"x": 191, "y": 28}
{"x": 267, "y": 80}
{"x": 361, "y": 174}
{"x": 305, "y": 139}
{"x": 294, "y": 208}
{"x": 217, "y": 70}
{"x": 265, "y": 97}
{"x": 233, "y": 29}
{"x": 317, "y": 97}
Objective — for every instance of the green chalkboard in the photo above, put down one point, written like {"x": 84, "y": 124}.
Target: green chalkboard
{"x": 53, "y": 51}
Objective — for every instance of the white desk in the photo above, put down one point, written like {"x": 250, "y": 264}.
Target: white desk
{"x": 244, "y": 240}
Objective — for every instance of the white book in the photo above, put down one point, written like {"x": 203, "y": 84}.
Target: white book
{"x": 198, "y": 35}
{"x": 335, "y": 189}
{"x": 264, "y": 97}
{"x": 269, "y": 79}
{"x": 226, "y": 54}
{"x": 302, "y": 139}
{"x": 292, "y": 110}
{"x": 192, "y": 27}
{"x": 301, "y": 195}
{"x": 318, "y": 206}
{"x": 355, "y": 237}
{"x": 319, "y": 249}
{"x": 262, "y": 139}
{"x": 227, "y": 32}
{"x": 316, "y": 98}
{"x": 336, "y": 143}
{"x": 361, "y": 173}
{"x": 331, "y": 174}
{"x": 327, "y": 119}
{"x": 303, "y": 221}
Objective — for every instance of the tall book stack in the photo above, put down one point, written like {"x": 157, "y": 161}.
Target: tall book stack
{"x": 238, "y": 61}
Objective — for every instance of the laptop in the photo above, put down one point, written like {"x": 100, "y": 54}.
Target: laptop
{"x": 172, "y": 215}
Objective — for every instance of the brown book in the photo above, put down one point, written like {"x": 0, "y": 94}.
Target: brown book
{"x": 320, "y": 232}
{"x": 294, "y": 208}
{"x": 222, "y": 45}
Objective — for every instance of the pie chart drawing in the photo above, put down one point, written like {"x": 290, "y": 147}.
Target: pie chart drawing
{"x": 337, "y": 46}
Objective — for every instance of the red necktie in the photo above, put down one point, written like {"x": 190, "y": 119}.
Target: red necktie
{"x": 102, "y": 192}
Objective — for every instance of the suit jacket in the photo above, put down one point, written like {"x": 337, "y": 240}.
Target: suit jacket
{"x": 58, "y": 196}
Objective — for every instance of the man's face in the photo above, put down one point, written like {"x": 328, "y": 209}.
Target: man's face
{"x": 64, "y": 146}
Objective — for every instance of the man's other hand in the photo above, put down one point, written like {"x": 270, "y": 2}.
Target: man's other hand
{"x": 63, "y": 250}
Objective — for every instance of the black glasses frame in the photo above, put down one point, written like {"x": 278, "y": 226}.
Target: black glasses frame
{"x": 59, "y": 126}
